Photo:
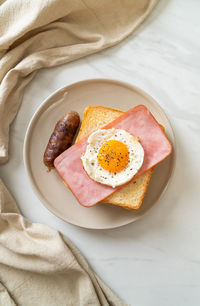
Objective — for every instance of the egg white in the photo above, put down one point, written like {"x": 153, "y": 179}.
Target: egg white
{"x": 94, "y": 169}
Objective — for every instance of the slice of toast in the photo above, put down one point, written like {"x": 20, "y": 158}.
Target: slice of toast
{"x": 132, "y": 194}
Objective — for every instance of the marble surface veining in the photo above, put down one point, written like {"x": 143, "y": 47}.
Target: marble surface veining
{"x": 156, "y": 260}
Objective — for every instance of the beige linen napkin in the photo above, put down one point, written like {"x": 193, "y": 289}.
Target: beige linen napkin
{"x": 38, "y": 266}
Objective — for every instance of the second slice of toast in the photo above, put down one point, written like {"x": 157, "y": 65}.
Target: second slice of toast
{"x": 131, "y": 195}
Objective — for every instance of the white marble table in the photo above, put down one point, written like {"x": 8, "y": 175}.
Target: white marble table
{"x": 156, "y": 260}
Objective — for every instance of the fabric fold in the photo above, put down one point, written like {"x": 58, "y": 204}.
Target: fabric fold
{"x": 38, "y": 34}
{"x": 34, "y": 255}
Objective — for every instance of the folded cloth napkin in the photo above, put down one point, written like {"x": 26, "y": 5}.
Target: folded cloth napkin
{"x": 38, "y": 266}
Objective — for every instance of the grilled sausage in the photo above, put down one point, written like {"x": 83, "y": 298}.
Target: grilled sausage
{"x": 61, "y": 138}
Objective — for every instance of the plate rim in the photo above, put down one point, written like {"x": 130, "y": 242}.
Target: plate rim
{"x": 37, "y": 113}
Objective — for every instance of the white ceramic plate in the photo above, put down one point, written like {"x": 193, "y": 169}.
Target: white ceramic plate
{"x": 49, "y": 186}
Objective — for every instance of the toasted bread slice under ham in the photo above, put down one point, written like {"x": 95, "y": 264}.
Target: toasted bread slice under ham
{"x": 140, "y": 123}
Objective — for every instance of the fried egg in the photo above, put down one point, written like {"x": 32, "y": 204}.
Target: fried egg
{"x": 112, "y": 157}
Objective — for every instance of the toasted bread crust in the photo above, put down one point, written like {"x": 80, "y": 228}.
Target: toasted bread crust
{"x": 128, "y": 205}
{"x": 89, "y": 113}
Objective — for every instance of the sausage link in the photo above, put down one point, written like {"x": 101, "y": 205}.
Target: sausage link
{"x": 61, "y": 138}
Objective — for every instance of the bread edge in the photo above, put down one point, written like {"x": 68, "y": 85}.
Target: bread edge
{"x": 130, "y": 206}
{"x": 86, "y": 110}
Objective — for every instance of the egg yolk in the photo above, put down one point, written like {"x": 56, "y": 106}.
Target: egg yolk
{"x": 113, "y": 156}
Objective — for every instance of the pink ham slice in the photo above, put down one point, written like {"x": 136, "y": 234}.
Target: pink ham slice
{"x": 140, "y": 123}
